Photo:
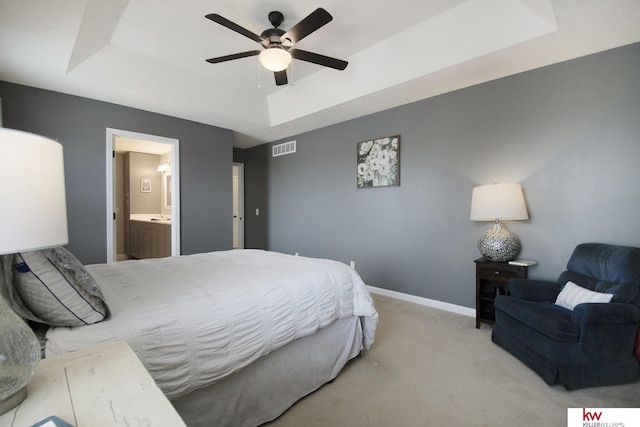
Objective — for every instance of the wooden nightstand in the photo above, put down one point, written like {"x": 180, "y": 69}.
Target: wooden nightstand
{"x": 106, "y": 385}
{"x": 491, "y": 280}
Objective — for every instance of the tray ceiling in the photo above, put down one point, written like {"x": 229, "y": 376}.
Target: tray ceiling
{"x": 150, "y": 54}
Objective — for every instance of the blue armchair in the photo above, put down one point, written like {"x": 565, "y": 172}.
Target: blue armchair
{"x": 590, "y": 345}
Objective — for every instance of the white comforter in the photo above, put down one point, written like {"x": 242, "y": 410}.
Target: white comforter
{"x": 197, "y": 318}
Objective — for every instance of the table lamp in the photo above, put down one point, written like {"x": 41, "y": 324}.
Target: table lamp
{"x": 33, "y": 216}
{"x": 497, "y": 202}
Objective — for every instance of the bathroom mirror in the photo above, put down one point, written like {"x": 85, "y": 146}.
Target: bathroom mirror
{"x": 167, "y": 191}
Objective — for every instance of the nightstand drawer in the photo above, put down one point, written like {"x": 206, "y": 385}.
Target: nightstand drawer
{"x": 501, "y": 273}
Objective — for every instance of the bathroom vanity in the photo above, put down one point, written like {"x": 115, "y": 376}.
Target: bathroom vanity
{"x": 149, "y": 238}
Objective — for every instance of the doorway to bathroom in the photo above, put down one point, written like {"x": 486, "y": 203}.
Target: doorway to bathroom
{"x": 143, "y": 192}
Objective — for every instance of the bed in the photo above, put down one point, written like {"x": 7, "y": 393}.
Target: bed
{"x": 231, "y": 337}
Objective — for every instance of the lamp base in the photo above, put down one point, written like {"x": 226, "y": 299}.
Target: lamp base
{"x": 12, "y": 401}
{"x": 498, "y": 244}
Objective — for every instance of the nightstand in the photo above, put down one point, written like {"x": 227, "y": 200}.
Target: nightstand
{"x": 106, "y": 385}
{"x": 491, "y": 280}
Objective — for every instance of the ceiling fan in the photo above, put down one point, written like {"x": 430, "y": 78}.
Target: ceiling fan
{"x": 277, "y": 43}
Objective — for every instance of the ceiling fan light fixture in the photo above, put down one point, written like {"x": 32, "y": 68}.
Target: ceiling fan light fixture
{"x": 275, "y": 58}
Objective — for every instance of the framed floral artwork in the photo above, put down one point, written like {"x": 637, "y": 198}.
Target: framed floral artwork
{"x": 379, "y": 162}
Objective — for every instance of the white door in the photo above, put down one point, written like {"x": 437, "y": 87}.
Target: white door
{"x": 238, "y": 206}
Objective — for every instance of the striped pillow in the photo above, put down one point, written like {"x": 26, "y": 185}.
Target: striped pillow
{"x": 56, "y": 287}
{"x": 572, "y": 295}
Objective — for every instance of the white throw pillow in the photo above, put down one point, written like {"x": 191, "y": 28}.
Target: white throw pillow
{"x": 56, "y": 287}
{"x": 573, "y": 295}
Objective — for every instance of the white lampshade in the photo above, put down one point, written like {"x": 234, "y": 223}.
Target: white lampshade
{"x": 34, "y": 212}
{"x": 498, "y": 201}
{"x": 33, "y": 216}
{"x": 275, "y": 58}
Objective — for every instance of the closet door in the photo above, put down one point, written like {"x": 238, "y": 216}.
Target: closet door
{"x": 238, "y": 206}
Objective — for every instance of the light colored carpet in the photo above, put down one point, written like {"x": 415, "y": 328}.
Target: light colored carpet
{"x": 430, "y": 367}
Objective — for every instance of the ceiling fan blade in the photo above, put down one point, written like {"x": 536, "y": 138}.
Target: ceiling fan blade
{"x": 233, "y": 56}
{"x": 281, "y": 77}
{"x": 308, "y": 25}
{"x": 234, "y": 27}
{"x": 316, "y": 58}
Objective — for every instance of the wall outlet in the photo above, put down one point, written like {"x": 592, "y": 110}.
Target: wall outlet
{"x": 352, "y": 264}
{"x": 257, "y": 211}
{"x": 297, "y": 254}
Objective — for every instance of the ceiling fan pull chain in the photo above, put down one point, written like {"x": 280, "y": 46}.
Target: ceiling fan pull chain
{"x": 259, "y": 76}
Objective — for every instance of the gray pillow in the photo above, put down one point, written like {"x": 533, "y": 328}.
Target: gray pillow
{"x": 56, "y": 287}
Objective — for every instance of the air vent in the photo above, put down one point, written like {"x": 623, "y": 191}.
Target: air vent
{"x": 284, "y": 148}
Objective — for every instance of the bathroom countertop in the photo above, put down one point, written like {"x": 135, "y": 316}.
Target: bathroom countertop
{"x": 152, "y": 218}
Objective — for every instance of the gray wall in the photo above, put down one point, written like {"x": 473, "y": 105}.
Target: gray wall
{"x": 79, "y": 124}
{"x": 569, "y": 133}
{"x": 256, "y": 196}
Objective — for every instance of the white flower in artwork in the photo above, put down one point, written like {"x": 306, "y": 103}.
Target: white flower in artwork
{"x": 384, "y": 141}
{"x": 365, "y": 147}
{"x": 374, "y": 163}
{"x": 368, "y": 176}
{"x": 383, "y": 157}
{"x": 362, "y": 168}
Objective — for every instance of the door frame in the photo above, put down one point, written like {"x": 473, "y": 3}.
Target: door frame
{"x": 112, "y": 134}
{"x": 240, "y": 199}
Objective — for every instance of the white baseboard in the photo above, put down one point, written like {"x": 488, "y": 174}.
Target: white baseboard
{"x": 466, "y": 311}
